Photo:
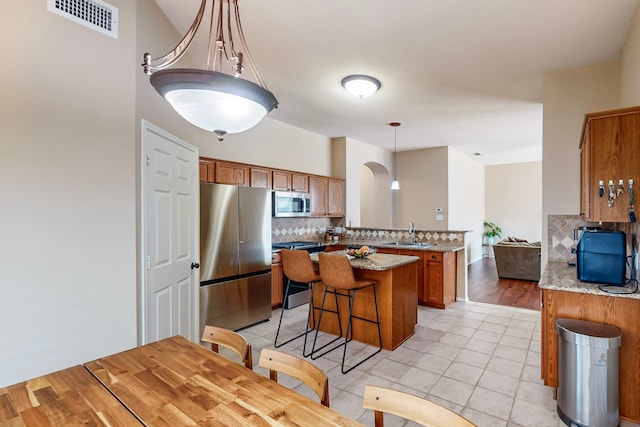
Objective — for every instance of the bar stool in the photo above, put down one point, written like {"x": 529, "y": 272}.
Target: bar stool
{"x": 337, "y": 274}
{"x": 297, "y": 266}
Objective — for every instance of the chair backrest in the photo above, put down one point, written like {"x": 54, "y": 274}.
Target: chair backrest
{"x": 336, "y": 271}
{"x": 384, "y": 400}
{"x": 297, "y": 368}
{"x": 229, "y": 339}
{"x": 297, "y": 266}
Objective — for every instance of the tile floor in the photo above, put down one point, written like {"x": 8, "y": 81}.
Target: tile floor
{"x": 480, "y": 360}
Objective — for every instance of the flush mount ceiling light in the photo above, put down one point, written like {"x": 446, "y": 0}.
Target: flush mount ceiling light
{"x": 395, "y": 185}
{"x": 360, "y": 85}
{"x": 212, "y": 99}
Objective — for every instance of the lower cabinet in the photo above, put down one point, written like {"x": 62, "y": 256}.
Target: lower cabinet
{"x": 276, "y": 279}
{"x": 436, "y": 276}
{"x": 439, "y": 287}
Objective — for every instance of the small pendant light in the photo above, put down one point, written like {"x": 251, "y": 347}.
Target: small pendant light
{"x": 395, "y": 185}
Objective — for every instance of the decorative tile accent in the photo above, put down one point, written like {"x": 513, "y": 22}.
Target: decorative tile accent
{"x": 560, "y": 235}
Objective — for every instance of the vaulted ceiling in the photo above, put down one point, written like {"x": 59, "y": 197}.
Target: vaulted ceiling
{"x": 462, "y": 73}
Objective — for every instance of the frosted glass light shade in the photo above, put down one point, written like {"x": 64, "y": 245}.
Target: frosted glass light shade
{"x": 395, "y": 185}
{"x": 214, "y": 101}
{"x": 360, "y": 85}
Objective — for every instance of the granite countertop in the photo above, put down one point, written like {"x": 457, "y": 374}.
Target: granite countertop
{"x": 377, "y": 262}
{"x": 558, "y": 276}
{"x": 436, "y": 247}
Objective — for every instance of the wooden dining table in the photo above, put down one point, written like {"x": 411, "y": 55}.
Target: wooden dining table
{"x": 175, "y": 382}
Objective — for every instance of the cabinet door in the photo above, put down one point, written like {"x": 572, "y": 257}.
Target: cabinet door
{"x": 613, "y": 151}
{"x": 318, "y": 195}
{"x": 206, "y": 170}
{"x": 336, "y": 197}
{"x": 281, "y": 180}
{"x": 231, "y": 173}
{"x": 433, "y": 282}
{"x": 260, "y": 178}
{"x": 300, "y": 182}
{"x": 585, "y": 173}
{"x": 276, "y": 280}
{"x": 419, "y": 270}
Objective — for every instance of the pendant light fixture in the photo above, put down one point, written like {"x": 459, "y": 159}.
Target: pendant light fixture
{"x": 395, "y": 185}
{"x": 210, "y": 98}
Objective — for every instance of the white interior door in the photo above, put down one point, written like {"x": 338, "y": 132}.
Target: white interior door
{"x": 169, "y": 295}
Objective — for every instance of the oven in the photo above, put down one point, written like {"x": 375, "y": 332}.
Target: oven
{"x": 298, "y": 295}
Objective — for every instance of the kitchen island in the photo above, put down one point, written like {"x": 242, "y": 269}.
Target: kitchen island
{"x": 397, "y": 296}
{"x": 564, "y": 296}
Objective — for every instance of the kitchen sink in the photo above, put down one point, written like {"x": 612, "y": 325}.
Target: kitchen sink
{"x": 413, "y": 245}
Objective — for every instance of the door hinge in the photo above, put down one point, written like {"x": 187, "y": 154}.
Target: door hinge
{"x": 148, "y": 160}
{"x": 148, "y": 262}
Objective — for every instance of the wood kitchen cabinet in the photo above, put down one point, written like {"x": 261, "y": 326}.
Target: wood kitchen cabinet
{"x": 260, "y": 178}
{"x": 206, "y": 170}
{"x": 231, "y": 173}
{"x": 439, "y": 286}
{"x": 276, "y": 280}
{"x": 327, "y": 196}
{"x": 290, "y": 181}
{"x": 621, "y": 312}
{"x": 609, "y": 151}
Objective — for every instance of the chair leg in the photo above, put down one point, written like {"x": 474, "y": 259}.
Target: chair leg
{"x": 314, "y": 350}
{"x": 350, "y": 329}
{"x": 311, "y": 317}
{"x": 275, "y": 341}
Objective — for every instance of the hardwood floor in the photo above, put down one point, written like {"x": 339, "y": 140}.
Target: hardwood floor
{"x": 485, "y": 286}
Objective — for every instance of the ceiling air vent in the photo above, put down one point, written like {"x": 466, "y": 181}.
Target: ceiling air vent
{"x": 94, "y": 14}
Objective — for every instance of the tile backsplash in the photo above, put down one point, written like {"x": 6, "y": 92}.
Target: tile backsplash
{"x": 560, "y": 235}
{"x": 288, "y": 229}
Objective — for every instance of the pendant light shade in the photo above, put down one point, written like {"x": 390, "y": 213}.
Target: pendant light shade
{"x": 214, "y": 101}
{"x": 210, "y": 98}
{"x": 395, "y": 184}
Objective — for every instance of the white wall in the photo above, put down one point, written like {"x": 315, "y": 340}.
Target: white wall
{"x": 67, "y": 179}
{"x": 513, "y": 199}
{"x": 466, "y": 207}
{"x": 358, "y": 153}
{"x": 630, "y": 65}
{"x": 424, "y": 186}
{"x": 567, "y": 96}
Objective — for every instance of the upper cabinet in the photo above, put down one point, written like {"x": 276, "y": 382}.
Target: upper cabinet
{"x": 231, "y": 173}
{"x": 260, "y": 177}
{"x": 609, "y": 162}
{"x": 290, "y": 181}
{"x": 206, "y": 170}
{"x": 327, "y": 196}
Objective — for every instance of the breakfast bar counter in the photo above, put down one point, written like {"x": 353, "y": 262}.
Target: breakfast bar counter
{"x": 564, "y": 296}
{"x": 397, "y": 296}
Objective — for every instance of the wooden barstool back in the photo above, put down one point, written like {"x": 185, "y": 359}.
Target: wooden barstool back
{"x": 424, "y": 412}
{"x": 229, "y": 339}
{"x": 297, "y": 266}
{"x": 337, "y": 275}
{"x": 297, "y": 368}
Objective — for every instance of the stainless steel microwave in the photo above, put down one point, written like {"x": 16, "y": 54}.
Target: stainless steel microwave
{"x": 289, "y": 204}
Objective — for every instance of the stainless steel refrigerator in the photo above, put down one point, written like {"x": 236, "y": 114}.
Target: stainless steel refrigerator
{"x": 235, "y": 255}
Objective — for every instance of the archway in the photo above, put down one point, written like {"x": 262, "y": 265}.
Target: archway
{"x": 375, "y": 196}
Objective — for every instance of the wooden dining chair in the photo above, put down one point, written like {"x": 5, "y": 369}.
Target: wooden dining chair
{"x": 276, "y": 361}
{"x": 424, "y": 412}
{"x": 229, "y": 339}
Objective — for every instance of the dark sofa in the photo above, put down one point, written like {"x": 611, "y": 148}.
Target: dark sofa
{"x": 517, "y": 259}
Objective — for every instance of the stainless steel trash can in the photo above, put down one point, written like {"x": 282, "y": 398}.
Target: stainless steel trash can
{"x": 588, "y": 355}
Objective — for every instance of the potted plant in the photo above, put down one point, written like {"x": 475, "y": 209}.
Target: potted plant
{"x": 491, "y": 230}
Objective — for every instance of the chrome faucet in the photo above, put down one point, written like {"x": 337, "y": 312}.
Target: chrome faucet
{"x": 412, "y": 231}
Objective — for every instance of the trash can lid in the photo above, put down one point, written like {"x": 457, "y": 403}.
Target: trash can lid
{"x": 584, "y": 332}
